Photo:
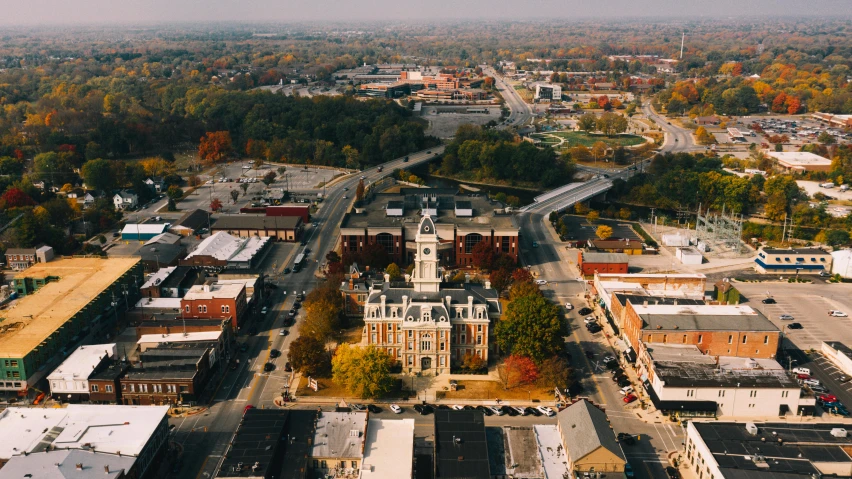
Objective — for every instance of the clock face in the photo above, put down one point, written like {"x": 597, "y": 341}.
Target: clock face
{"x": 426, "y": 251}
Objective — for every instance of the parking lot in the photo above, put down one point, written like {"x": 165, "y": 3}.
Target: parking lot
{"x": 581, "y": 230}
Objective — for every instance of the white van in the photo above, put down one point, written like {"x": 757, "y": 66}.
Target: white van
{"x": 827, "y": 185}
{"x": 802, "y": 371}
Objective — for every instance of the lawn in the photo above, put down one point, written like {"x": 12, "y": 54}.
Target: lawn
{"x": 328, "y": 388}
{"x": 493, "y": 390}
{"x": 574, "y": 138}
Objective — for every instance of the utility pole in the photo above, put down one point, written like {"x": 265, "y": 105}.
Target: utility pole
{"x": 784, "y": 230}
{"x": 682, "y": 39}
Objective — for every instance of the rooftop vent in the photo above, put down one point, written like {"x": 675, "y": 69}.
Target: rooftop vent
{"x": 838, "y": 432}
{"x": 751, "y": 428}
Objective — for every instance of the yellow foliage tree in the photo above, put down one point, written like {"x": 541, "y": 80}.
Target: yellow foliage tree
{"x": 604, "y": 232}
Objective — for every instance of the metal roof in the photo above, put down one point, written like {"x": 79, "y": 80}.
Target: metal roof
{"x": 461, "y": 449}
{"x": 585, "y": 429}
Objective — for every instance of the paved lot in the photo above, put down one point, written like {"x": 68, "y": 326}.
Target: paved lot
{"x": 444, "y": 121}
{"x": 581, "y": 230}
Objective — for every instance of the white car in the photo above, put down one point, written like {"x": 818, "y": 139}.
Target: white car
{"x": 541, "y": 281}
{"x": 786, "y": 317}
{"x": 626, "y": 390}
{"x": 569, "y": 306}
{"x": 590, "y": 319}
{"x": 546, "y": 411}
{"x": 521, "y": 410}
{"x": 837, "y": 314}
{"x": 496, "y": 410}
{"x": 396, "y": 409}
{"x": 458, "y": 407}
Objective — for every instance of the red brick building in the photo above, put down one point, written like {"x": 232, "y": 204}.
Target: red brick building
{"x": 716, "y": 330}
{"x": 213, "y": 301}
{"x": 591, "y": 263}
{"x": 169, "y": 374}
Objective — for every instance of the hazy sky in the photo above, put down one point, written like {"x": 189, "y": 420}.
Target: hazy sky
{"x": 144, "y": 11}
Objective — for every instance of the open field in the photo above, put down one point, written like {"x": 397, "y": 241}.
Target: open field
{"x": 568, "y": 139}
{"x": 494, "y": 390}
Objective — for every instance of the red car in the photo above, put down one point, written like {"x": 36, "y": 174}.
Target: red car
{"x": 249, "y": 406}
{"x": 802, "y": 377}
{"x": 829, "y": 398}
{"x": 629, "y": 398}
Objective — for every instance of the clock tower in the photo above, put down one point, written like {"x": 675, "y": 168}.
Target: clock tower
{"x": 425, "y": 276}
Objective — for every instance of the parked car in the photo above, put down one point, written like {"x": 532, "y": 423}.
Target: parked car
{"x": 802, "y": 371}
{"x": 827, "y": 398}
{"x": 458, "y": 407}
{"x": 569, "y": 306}
{"x": 626, "y": 438}
{"x": 396, "y": 409}
{"x": 496, "y": 410}
{"x": 590, "y": 320}
{"x": 358, "y": 407}
{"x": 672, "y": 472}
{"x": 274, "y": 353}
{"x": 521, "y": 411}
{"x": 768, "y": 301}
{"x": 837, "y": 314}
{"x": 626, "y": 390}
{"x": 594, "y": 328}
{"x": 623, "y": 382}
{"x": 608, "y": 358}
{"x": 286, "y": 270}
{"x": 374, "y": 409}
{"x": 547, "y": 411}
{"x": 532, "y": 411}
{"x": 287, "y": 367}
{"x": 786, "y": 317}
{"x": 628, "y": 470}
{"x": 795, "y": 326}
{"x": 819, "y": 389}
{"x": 802, "y": 376}
{"x": 283, "y": 332}
{"x": 585, "y": 311}
{"x": 541, "y": 282}
{"x": 629, "y": 398}
{"x": 811, "y": 382}
{"x": 269, "y": 367}
{"x": 484, "y": 410}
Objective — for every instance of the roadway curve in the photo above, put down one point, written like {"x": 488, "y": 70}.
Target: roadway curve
{"x": 677, "y": 140}
{"x": 520, "y": 112}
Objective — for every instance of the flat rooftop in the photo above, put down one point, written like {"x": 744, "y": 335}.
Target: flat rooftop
{"x": 217, "y": 290}
{"x": 225, "y": 247}
{"x": 159, "y": 276}
{"x": 789, "y": 450}
{"x": 81, "y": 363}
{"x": 802, "y": 251}
{"x": 604, "y": 257}
{"x": 623, "y": 298}
{"x": 414, "y": 200}
{"x": 62, "y": 464}
{"x": 461, "y": 449}
{"x": 180, "y": 337}
{"x": 389, "y": 452}
{"x": 522, "y": 458}
{"x": 38, "y": 315}
{"x": 340, "y": 435}
{"x": 107, "y": 428}
{"x": 550, "y": 451}
{"x": 257, "y": 222}
{"x": 703, "y": 318}
{"x": 799, "y": 158}
{"x": 258, "y": 440}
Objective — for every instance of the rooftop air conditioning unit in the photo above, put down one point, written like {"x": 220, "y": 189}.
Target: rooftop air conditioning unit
{"x": 751, "y": 428}
{"x": 838, "y": 432}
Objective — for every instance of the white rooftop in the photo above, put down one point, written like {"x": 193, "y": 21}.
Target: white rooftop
{"x": 389, "y": 451}
{"x": 339, "y": 434}
{"x": 180, "y": 337}
{"x": 799, "y": 158}
{"x": 648, "y": 276}
{"x": 62, "y": 464}
{"x": 106, "y": 428}
{"x": 144, "y": 228}
{"x": 697, "y": 309}
{"x": 216, "y": 290}
{"x": 82, "y": 362}
{"x": 159, "y": 303}
{"x": 225, "y": 247}
{"x": 550, "y": 450}
{"x": 159, "y": 276}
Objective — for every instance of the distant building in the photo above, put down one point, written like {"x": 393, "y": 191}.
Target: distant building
{"x": 461, "y": 448}
{"x": 209, "y": 301}
{"x": 282, "y": 228}
{"x": 591, "y": 263}
{"x": 125, "y": 199}
{"x": 711, "y": 120}
{"x": 191, "y": 222}
{"x": 615, "y": 246}
{"x": 20, "y": 259}
{"x": 338, "y": 445}
{"x": 684, "y": 382}
{"x": 792, "y": 261}
{"x": 170, "y": 373}
{"x": 547, "y": 92}
{"x": 676, "y": 286}
{"x": 302, "y": 211}
{"x": 170, "y": 282}
{"x": 833, "y": 120}
{"x": 770, "y": 450}
{"x": 689, "y": 255}
{"x": 800, "y": 161}
{"x": 840, "y": 262}
{"x": 143, "y": 231}
{"x": 69, "y": 382}
{"x": 156, "y": 183}
{"x": 588, "y": 440}
{"x": 95, "y": 436}
{"x": 221, "y": 250}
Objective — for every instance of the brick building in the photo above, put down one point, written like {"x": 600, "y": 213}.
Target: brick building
{"x": 738, "y": 331}
{"x": 20, "y": 258}
{"x": 210, "y": 301}
{"x": 223, "y": 251}
{"x": 281, "y": 228}
{"x": 105, "y": 386}
{"x": 391, "y": 221}
{"x": 591, "y": 263}
{"x": 428, "y": 325}
{"x": 169, "y": 374}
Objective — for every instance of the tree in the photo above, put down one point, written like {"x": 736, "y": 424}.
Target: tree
{"x": 244, "y": 187}
{"x": 171, "y": 205}
{"x": 15, "y": 197}
{"x": 554, "y": 372}
{"x": 521, "y": 275}
{"x": 482, "y": 255}
{"x": 776, "y": 206}
{"x": 359, "y": 191}
{"x": 174, "y": 192}
{"x": 599, "y": 150}
{"x": 323, "y": 308}
{"x": 215, "y": 205}
{"x": 234, "y": 195}
{"x": 365, "y": 372}
{"x": 624, "y": 213}
{"x": 255, "y": 148}
{"x": 214, "y": 146}
{"x": 581, "y": 208}
{"x": 516, "y": 371}
{"x": 473, "y": 363}
{"x": 612, "y": 123}
{"x": 826, "y": 139}
{"x": 704, "y": 137}
{"x": 531, "y": 326}
{"x": 393, "y": 272}
{"x": 592, "y": 216}
{"x": 269, "y": 178}
{"x": 351, "y": 155}
{"x": 308, "y": 356}
{"x": 587, "y": 122}
{"x": 98, "y": 175}
{"x": 580, "y": 153}
{"x": 500, "y": 279}
{"x": 194, "y": 181}
{"x": 604, "y": 232}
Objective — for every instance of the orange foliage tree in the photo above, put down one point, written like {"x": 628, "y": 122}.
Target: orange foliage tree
{"x": 214, "y": 146}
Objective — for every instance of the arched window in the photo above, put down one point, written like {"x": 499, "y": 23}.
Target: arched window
{"x": 386, "y": 240}
{"x": 470, "y": 241}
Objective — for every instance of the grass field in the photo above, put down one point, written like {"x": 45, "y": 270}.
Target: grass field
{"x": 574, "y": 138}
{"x": 493, "y": 390}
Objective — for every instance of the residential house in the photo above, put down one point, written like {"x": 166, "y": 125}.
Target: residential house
{"x": 125, "y": 199}
{"x": 20, "y": 259}
{"x": 589, "y": 441}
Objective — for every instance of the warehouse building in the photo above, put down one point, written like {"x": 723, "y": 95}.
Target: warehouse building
{"x": 591, "y": 263}
{"x": 143, "y": 231}
{"x": 793, "y": 261}
{"x": 800, "y": 161}
{"x": 223, "y": 251}
{"x": 282, "y": 228}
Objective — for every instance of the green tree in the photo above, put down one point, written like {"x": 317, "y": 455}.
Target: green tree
{"x": 365, "y": 372}
{"x": 826, "y": 139}
{"x": 269, "y": 178}
{"x": 351, "y": 155}
{"x": 308, "y": 356}
{"x": 235, "y": 194}
{"x": 174, "y": 192}
{"x": 587, "y": 122}
{"x": 98, "y": 175}
{"x": 394, "y": 272}
{"x": 531, "y": 327}
{"x": 776, "y": 206}
{"x": 611, "y": 124}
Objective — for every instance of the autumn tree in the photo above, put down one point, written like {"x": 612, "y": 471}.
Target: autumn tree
{"x": 500, "y": 279}
{"x": 365, "y": 372}
{"x": 580, "y": 153}
{"x": 269, "y": 178}
{"x": 587, "y": 122}
{"x": 592, "y": 216}
{"x": 308, "y": 356}
{"x": 517, "y": 371}
{"x": 256, "y": 148}
{"x": 234, "y": 195}
{"x": 473, "y": 363}
{"x": 174, "y": 192}
{"x": 611, "y": 124}
{"x": 215, "y": 205}
{"x": 604, "y": 232}
{"x": 157, "y": 166}
{"x": 393, "y": 272}
{"x": 531, "y": 327}
{"x": 351, "y": 154}
{"x": 555, "y": 372}
{"x": 599, "y": 150}
{"x": 214, "y": 146}
{"x": 624, "y": 213}
{"x": 482, "y": 255}
{"x": 359, "y": 191}
{"x": 704, "y": 137}
{"x": 521, "y": 275}
{"x": 15, "y": 198}
{"x": 323, "y": 312}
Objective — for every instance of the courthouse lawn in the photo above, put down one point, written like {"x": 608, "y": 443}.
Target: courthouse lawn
{"x": 574, "y": 138}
